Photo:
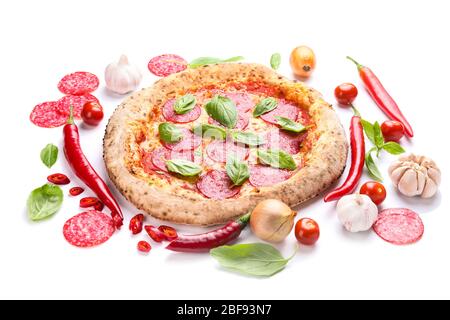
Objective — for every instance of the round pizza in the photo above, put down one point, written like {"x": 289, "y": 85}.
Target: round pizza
{"x": 205, "y": 145}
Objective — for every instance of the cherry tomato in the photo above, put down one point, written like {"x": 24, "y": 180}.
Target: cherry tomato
{"x": 303, "y": 61}
{"x": 307, "y": 231}
{"x": 92, "y": 113}
{"x": 345, "y": 93}
{"x": 375, "y": 191}
{"x": 392, "y": 130}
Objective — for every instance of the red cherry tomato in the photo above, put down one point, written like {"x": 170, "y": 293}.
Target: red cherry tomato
{"x": 392, "y": 130}
{"x": 92, "y": 113}
{"x": 375, "y": 191}
{"x": 345, "y": 93}
{"x": 307, "y": 231}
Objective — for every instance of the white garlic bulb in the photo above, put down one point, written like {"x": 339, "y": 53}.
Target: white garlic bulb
{"x": 357, "y": 212}
{"x": 415, "y": 176}
{"x": 122, "y": 77}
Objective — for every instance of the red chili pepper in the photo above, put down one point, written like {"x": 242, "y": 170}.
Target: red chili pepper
{"x": 88, "y": 202}
{"x": 99, "y": 206}
{"x": 144, "y": 246}
{"x": 75, "y": 191}
{"x": 381, "y": 96}
{"x": 83, "y": 169}
{"x": 136, "y": 223}
{"x": 169, "y": 232}
{"x": 154, "y": 233}
{"x": 358, "y": 155}
{"x": 205, "y": 241}
{"x": 58, "y": 178}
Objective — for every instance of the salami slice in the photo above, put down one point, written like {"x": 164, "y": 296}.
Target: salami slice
{"x": 284, "y": 109}
{"x": 170, "y": 114}
{"x": 78, "y": 83}
{"x": 242, "y": 122}
{"x": 77, "y": 102}
{"x": 190, "y": 141}
{"x": 242, "y": 100}
{"x": 47, "y": 115}
{"x": 262, "y": 176}
{"x": 161, "y": 155}
{"x": 217, "y": 185}
{"x": 147, "y": 162}
{"x": 283, "y": 140}
{"x": 88, "y": 229}
{"x": 166, "y": 64}
{"x": 219, "y": 151}
{"x": 399, "y": 226}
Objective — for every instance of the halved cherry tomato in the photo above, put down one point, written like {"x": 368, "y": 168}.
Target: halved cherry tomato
{"x": 58, "y": 178}
{"x": 155, "y": 233}
{"x": 92, "y": 113}
{"x": 136, "y": 223}
{"x": 307, "y": 231}
{"x": 345, "y": 93}
{"x": 88, "y": 202}
{"x": 375, "y": 191}
{"x": 392, "y": 130}
{"x": 169, "y": 232}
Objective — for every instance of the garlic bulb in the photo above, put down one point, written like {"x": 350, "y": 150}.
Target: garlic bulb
{"x": 357, "y": 212}
{"x": 122, "y": 77}
{"x": 415, "y": 176}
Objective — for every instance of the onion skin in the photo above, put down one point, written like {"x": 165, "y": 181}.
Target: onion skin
{"x": 272, "y": 220}
{"x": 303, "y": 61}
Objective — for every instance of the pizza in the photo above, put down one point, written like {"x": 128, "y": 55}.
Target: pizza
{"x": 205, "y": 145}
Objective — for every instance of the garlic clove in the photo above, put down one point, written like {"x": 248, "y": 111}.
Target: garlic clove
{"x": 430, "y": 189}
{"x": 394, "y": 166}
{"x": 397, "y": 174}
{"x": 435, "y": 175}
{"x": 421, "y": 179}
{"x": 408, "y": 183}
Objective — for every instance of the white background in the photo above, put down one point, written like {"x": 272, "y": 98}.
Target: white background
{"x": 405, "y": 42}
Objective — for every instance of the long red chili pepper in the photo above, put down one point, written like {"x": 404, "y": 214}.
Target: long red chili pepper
{"x": 83, "y": 169}
{"x": 358, "y": 155}
{"x": 205, "y": 241}
{"x": 381, "y": 96}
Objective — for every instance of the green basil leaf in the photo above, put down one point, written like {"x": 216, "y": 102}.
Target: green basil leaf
{"x": 169, "y": 132}
{"x": 248, "y": 138}
{"x": 289, "y": 125}
{"x": 368, "y": 129}
{"x": 264, "y": 106}
{"x": 378, "y": 135}
{"x": 223, "y": 110}
{"x": 202, "y": 61}
{"x": 49, "y": 155}
{"x": 237, "y": 171}
{"x": 184, "y": 104}
{"x": 44, "y": 202}
{"x": 256, "y": 259}
{"x": 276, "y": 158}
{"x": 393, "y": 148}
{"x": 275, "y": 61}
{"x": 372, "y": 167}
{"x": 210, "y": 131}
{"x": 183, "y": 167}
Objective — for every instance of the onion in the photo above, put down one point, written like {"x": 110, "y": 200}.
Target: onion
{"x": 303, "y": 61}
{"x": 272, "y": 220}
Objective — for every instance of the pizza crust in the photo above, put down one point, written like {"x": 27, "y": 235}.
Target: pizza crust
{"x": 326, "y": 160}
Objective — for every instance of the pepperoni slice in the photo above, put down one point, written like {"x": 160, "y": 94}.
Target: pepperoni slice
{"x": 88, "y": 229}
{"x": 47, "y": 115}
{"x": 242, "y": 123}
{"x": 284, "y": 109}
{"x": 166, "y": 64}
{"x": 77, "y": 102}
{"x": 190, "y": 141}
{"x": 147, "y": 163}
{"x": 170, "y": 114}
{"x": 78, "y": 83}
{"x": 217, "y": 185}
{"x": 262, "y": 176}
{"x": 399, "y": 226}
{"x": 161, "y": 155}
{"x": 286, "y": 141}
{"x": 242, "y": 100}
{"x": 219, "y": 151}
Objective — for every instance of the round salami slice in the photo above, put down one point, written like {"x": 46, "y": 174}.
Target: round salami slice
{"x": 166, "y": 64}
{"x": 283, "y": 140}
{"x": 147, "y": 162}
{"x": 47, "y": 115}
{"x": 217, "y": 185}
{"x": 219, "y": 151}
{"x": 170, "y": 114}
{"x": 88, "y": 229}
{"x": 262, "y": 176}
{"x": 161, "y": 155}
{"x": 77, "y": 102}
{"x": 284, "y": 109}
{"x": 78, "y": 83}
{"x": 190, "y": 141}
{"x": 399, "y": 226}
{"x": 242, "y": 122}
{"x": 242, "y": 100}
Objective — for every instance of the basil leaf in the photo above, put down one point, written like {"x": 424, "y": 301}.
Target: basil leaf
{"x": 368, "y": 129}
{"x": 393, "y": 148}
{"x": 256, "y": 259}
{"x": 378, "y": 135}
{"x": 223, "y": 110}
{"x": 289, "y": 125}
{"x": 184, "y": 104}
{"x": 210, "y": 131}
{"x": 248, "y": 138}
{"x": 264, "y": 106}
{"x": 372, "y": 167}
{"x": 202, "y": 61}
{"x": 183, "y": 167}
{"x": 49, "y": 155}
{"x": 44, "y": 202}
{"x": 275, "y": 61}
{"x": 277, "y": 159}
{"x": 169, "y": 132}
{"x": 237, "y": 171}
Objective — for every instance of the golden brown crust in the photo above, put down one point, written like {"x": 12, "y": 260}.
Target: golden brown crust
{"x": 324, "y": 165}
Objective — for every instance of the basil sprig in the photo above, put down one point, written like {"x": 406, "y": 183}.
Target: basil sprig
{"x": 223, "y": 110}
{"x": 275, "y": 61}
{"x": 264, "y": 106}
{"x": 210, "y": 131}
{"x": 49, "y": 155}
{"x": 169, "y": 132}
{"x": 276, "y": 158}
{"x": 238, "y": 171}
{"x": 184, "y": 104}
{"x": 44, "y": 202}
{"x": 183, "y": 167}
{"x": 248, "y": 138}
{"x": 289, "y": 125}
{"x": 203, "y": 61}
